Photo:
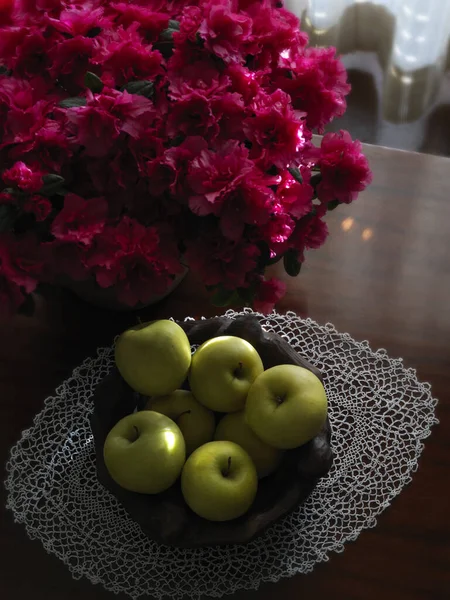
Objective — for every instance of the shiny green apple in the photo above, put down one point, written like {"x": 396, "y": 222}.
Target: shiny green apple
{"x": 286, "y": 406}
{"x": 145, "y": 452}
{"x": 154, "y": 358}
{"x": 234, "y": 428}
{"x": 219, "y": 481}
{"x": 196, "y": 422}
{"x": 222, "y": 371}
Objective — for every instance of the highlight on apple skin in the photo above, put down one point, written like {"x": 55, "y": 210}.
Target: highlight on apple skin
{"x": 196, "y": 422}
{"x": 145, "y": 452}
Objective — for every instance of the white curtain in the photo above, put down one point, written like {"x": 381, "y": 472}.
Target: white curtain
{"x": 421, "y": 33}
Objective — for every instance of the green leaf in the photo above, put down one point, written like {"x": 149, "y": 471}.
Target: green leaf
{"x": 11, "y": 191}
{"x": 167, "y": 34}
{"x": 333, "y": 204}
{"x": 8, "y": 214}
{"x": 141, "y": 88}
{"x": 223, "y": 297}
{"x": 316, "y": 179}
{"x": 295, "y": 172}
{"x": 292, "y": 265}
{"x": 93, "y": 82}
{"x": 72, "y": 102}
{"x": 52, "y": 184}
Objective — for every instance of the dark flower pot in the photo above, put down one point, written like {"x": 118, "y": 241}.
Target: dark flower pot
{"x": 92, "y": 293}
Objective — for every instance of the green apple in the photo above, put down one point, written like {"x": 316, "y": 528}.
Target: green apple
{"x": 196, "y": 422}
{"x": 145, "y": 452}
{"x": 234, "y": 428}
{"x": 286, "y": 406}
{"x": 219, "y": 481}
{"x": 154, "y": 358}
{"x": 222, "y": 371}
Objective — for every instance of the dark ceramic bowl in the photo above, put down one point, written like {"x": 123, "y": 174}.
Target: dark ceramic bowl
{"x": 165, "y": 517}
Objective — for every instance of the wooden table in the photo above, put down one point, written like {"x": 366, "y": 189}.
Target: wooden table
{"x": 384, "y": 276}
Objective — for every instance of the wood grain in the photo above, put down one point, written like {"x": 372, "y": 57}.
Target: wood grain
{"x": 384, "y": 276}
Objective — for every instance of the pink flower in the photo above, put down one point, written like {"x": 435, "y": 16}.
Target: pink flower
{"x": 22, "y": 110}
{"x": 161, "y": 175}
{"x": 204, "y": 166}
{"x": 6, "y": 198}
{"x": 6, "y": 9}
{"x": 252, "y": 203}
{"x": 218, "y": 260}
{"x": 229, "y": 110}
{"x": 151, "y": 23}
{"x": 192, "y": 115}
{"x": 268, "y": 293}
{"x": 80, "y": 220}
{"x": 275, "y": 131}
{"x": 295, "y": 197}
{"x": 48, "y": 145}
{"x": 106, "y": 116}
{"x": 25, "y": 49}
{"x": 225, "y": 31}
{"x": 278, "y": 229}
{"x": 213, "y": 175}
{"x": 310, "y": 232}
{"x": 21, "y": 176}
{"x": 125, "y": 57}
{"x": 146, "y": 147}
{"x": 317, "y": 84}
{"x": 244, "y": 81}
{"x": 345, "y": 170}
{"x": 180, "y": 159}
{"x": 80, "y": 20}
{"x": 135, "y": 260}
{"x": 201, "y": 76}
{"x": 70, "y": 58}
{"x": 274, "y": 32}
{"x": 39, "y": 206}
{"x": 190, "y": 21}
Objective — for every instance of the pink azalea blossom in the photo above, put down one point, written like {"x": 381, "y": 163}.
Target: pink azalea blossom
{"x": 344, "y": 168}
{"x": 21, "y": 176}
{"x": 134, "y": 132}
{"x": 80, "y": 220}
{"x": 268, "y": 293}
{"x": 225, "y": 31}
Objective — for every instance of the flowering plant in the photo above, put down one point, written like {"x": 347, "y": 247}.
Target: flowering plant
{"x": 139, "y": 135}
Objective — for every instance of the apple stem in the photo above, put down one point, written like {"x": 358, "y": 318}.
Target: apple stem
{"x": 238, "y": 370}
{"x": 280, "y": 399}
{"x": 227, "y": 470}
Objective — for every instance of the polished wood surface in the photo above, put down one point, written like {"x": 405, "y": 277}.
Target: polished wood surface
{"x": 384, "y": 276}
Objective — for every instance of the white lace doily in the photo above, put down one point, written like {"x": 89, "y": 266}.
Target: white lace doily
{"x": 380, "y": 415}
